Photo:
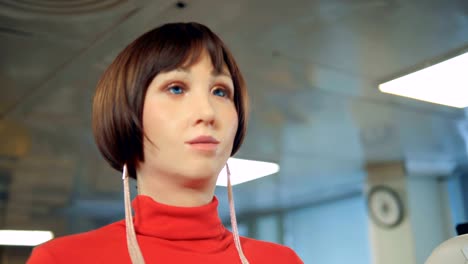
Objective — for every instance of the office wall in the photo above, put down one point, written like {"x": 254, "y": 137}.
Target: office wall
{"x": 334, "y": 232}
{"x": 429, "y": 215}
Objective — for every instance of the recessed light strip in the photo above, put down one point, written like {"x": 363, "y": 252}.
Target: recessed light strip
{"x": 444, "y": 83}
{"x": 24, "y": 237}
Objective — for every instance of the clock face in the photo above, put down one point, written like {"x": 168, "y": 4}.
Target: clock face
{"x": 385, "y": 206}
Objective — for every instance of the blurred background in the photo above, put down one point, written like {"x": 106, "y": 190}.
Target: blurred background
{"x": 312, "y": 69}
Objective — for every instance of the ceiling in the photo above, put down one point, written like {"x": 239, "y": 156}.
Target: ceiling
{"x": 312, "y": 69}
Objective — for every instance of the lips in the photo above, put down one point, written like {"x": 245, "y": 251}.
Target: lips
{"x": 204, "y": 144}
{"x": 203, "y": 140}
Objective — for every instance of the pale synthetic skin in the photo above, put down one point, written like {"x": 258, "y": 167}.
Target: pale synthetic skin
{"x": 173, "y": 172}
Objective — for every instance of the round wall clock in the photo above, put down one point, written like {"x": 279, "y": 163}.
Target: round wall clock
{"x": 385, "y": 206}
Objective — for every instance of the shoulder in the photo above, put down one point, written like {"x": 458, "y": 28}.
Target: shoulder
{"x": 269, "y": 251}
{"x": 78, "y": 245}
{"x": 86, "y": 239}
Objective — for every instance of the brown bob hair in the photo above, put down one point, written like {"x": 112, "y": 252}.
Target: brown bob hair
{"x": 120, "y": 93}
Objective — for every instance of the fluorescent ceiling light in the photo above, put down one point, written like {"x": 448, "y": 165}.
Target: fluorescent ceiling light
{"x": 24, "y": 238}
{"x": 246, "y": 170}
{"x": 444, "y": 83}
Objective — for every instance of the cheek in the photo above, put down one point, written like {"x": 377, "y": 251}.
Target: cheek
{"x": 161, "y": 121}
{"x": 152, "y": 120}
{"x": 234, "y": 121}
{"x": 148, "y": 119}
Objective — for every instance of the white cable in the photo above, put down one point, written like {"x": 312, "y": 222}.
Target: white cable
{"x": 132, "y": 243}
{"x": 232, "y": 212}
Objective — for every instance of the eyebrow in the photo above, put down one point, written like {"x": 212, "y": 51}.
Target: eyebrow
{"x": 214, "y": 73}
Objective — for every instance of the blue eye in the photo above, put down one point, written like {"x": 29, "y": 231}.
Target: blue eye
{"x": 220, "y": 92}
{"x": 176, "y": 89}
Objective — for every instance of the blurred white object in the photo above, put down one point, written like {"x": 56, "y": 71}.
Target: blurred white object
{"x": 24, "y": 237}
{"x": 452, "y": 251}
{"x": 243, "y": 170}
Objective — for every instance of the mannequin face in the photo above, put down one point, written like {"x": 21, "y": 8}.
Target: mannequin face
{"x": 181, "y": 105}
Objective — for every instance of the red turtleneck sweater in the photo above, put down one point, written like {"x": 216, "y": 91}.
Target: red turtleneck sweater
{"x": 165, "y": 234}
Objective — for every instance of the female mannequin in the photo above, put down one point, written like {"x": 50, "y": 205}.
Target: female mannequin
{"x": 169, "y": 112}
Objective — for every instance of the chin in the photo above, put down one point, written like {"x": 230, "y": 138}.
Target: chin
{"x": 207, "y": 166}
{"x": 201, "y": 174}
{"x": 199, "y": 180}
{"x": 203, "y": 171}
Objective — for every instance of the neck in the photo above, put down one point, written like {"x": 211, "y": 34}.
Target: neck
{"x": 182, "y": 193}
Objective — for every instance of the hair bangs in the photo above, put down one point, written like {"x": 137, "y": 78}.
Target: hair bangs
{"x": 185, "y": 49}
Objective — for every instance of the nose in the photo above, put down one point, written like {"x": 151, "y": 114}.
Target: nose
{"x": 203, "y": 109}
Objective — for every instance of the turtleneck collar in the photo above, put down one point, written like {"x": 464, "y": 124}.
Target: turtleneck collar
{"x": 174, "y": 223}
